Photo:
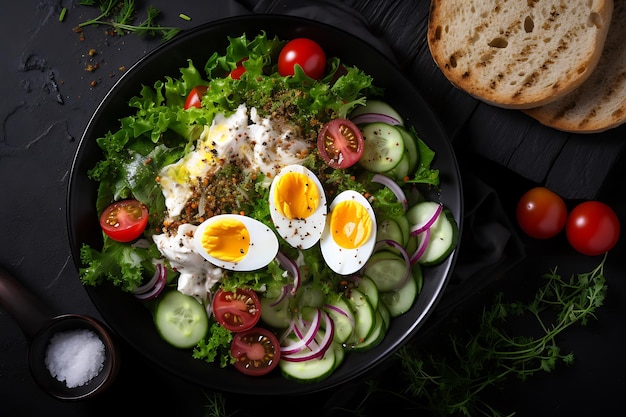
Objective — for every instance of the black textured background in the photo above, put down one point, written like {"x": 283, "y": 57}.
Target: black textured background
{"x": 47, "y": 98}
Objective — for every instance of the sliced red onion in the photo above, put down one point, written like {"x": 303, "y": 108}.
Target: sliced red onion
{"x": 375, "y": 117}
{"x": 422, "y": 227}
{"x": 292, "y": 269}
{"x": 153, "y": 287}
{"x": 340, "y": 311}
{"x": 405, "y": 255}
{"x": 304, "y": 339}
{"x": 286, "y": 332}
{"x": 422, "y": 243}
{"x": 316, "y": 349}
{"x": 394, "y": 187}
{"x": 286, "y": 290}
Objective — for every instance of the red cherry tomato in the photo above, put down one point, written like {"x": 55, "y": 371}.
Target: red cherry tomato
{"x": 592, "y": 228}
{"x": 304, "y": 52}
{"x": 541, "y": 213}
{"x": 257, "y": 351}
{"x": 237, "y": 311}
{"x": 340, "y": 143}
{"x": 124, "y": 220}
{"x": 239, "y": 70}
{"x": 194, "y": 98}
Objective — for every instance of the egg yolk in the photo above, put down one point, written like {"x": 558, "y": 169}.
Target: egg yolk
{"x": 351, "y": 224}
{"x": 227, "y": 240}
{"x": 296, "y": 196}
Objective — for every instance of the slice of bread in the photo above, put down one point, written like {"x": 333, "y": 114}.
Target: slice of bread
{"x": 599, "y": 103}
{"x": 518, "y": 53}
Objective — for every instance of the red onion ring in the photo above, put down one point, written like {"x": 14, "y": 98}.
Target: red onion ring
{"x": 422, "y": 227}
{"x": 304, "y": 339}
{"x": 317, "y": 350}
{"x": 292, "y": 269}
{"x": 422, "y": 243}
{"x": 153, "y": 287}
{"x": 405, "y": 255}
{"x": 375, "y": 117}
{"x": 394, "y": 187}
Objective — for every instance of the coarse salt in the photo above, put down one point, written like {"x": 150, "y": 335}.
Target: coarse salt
{"x": 75, "y": 356}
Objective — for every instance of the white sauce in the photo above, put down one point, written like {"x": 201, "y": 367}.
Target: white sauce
{"x": 197, "y": 275}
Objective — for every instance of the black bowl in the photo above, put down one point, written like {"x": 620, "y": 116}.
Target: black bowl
{"x": 130, "y": 319}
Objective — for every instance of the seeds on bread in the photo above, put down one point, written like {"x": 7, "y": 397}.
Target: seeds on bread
{"x": 518, "y": 53}
{"x": 599, "y": 103}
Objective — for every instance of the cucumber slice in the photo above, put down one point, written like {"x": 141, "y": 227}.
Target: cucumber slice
{"x": 344, "y": 323}
{"x": 340, "y": 353}
{"x": 405, "y": 227}
{"x": 401, "y": 170}
{"x": 410, "y": 148}
{"x": 418, "y": 276}
{"x": 400, "y": 301}
{"x": 276, "y": 316}
{"x": 387, "y": 273}
{"x": 311, "y": 295}
{"x": 375, "y": 337}
{"x": 313, "y": 370}
{"x": 369, "y": 288}
{"x": 384, "y": 313}
{"x": 364, "y": 316}
{"x": 383, "y": 147}
{"x": 444, "y": 236}
{"x": 389, "y": 229}
{"x": 377, "y": 106}
{"x": 420, "y": 212}
{"x": 181, "y": 320}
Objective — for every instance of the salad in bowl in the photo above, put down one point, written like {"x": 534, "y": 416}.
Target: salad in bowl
{"x": 268, "y": 208}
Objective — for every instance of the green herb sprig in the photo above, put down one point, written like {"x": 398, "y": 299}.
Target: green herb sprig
{"x": 453, "y": 384}
{"x": 120, "y": 15}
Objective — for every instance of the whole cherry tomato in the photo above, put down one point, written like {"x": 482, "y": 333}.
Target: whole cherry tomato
{"x": 541, "y": 213}
{"x": 593, "y": 228}
{"x": 304, "y": 52}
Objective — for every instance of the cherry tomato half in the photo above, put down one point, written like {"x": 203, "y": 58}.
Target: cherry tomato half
{"x": 237, "y": 311}
{"x": 304, "y": 52}
{"x": 257, "y": 351}
{"x": 194, "y": 98}
{"x": 239, "y": 70}
{"x": 340, "y": 143}
{"x": 592, "y": 228}
{"x": 541, "y": 213}
{"x": 124, "y": 220}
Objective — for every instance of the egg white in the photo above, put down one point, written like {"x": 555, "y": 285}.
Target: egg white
{"x": 263, "y": 244}
{"x": 299, "y": 233}
{"x": 341, "y": 260}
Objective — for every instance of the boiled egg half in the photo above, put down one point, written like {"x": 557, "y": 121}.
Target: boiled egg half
{"x": 236, "y": 242}
{"x": 298, "y": 206}
{"x": 350, "y": 233}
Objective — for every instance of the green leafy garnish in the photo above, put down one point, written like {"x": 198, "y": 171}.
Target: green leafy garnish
{"x": 120, "y": 15}
{"x": 215, "y": 346}
{"x": 453, "y": 383}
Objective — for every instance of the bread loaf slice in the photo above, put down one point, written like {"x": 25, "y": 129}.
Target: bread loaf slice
{"x": 518, "y": 53}
{"x": 599, "y": 103}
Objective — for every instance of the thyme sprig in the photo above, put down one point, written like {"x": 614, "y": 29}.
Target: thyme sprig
{"x": 120, "y": 15}
{"x": 453, "y": 384}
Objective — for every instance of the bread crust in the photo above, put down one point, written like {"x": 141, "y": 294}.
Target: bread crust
{"x": 599, "y": 103}
{"x": 518, "y": 53}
